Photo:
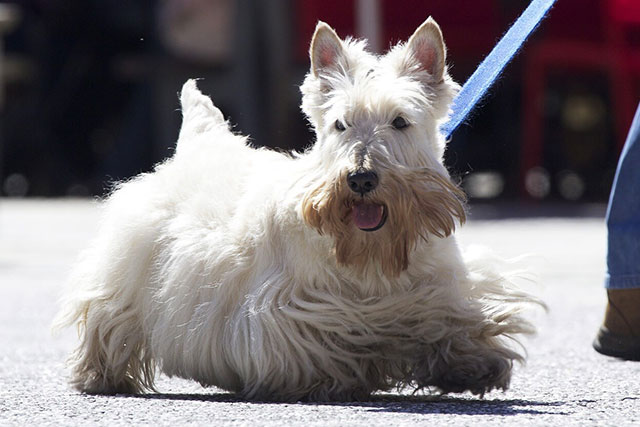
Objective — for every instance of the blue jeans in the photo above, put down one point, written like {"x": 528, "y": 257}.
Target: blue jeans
{"x": 623, "y": 216}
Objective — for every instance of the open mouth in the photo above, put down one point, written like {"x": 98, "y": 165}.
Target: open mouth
{"x": 369, "y": 216}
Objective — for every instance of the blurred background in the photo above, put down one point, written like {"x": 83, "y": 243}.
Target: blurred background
{"x": 88, "y": 88}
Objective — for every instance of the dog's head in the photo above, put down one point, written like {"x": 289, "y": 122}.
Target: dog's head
{"x": 381, "y": 186}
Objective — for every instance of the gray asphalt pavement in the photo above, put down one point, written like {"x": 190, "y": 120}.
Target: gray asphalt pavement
{"x": 564, "y": 382}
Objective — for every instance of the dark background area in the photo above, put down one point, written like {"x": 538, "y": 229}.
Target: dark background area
{"x": 90, "y": 87}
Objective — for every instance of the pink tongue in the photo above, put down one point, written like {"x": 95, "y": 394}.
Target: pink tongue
{"x": 367, "y": 215}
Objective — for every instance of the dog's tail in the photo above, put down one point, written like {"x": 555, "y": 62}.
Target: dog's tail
{"x": 199, "y": 115}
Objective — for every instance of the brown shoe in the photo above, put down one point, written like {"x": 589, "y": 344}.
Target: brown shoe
{"x": 619, "y": 336}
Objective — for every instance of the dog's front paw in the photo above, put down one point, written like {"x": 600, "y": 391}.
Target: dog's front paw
{"x": 478, "y": 373}
{"x": 492, "y": 373}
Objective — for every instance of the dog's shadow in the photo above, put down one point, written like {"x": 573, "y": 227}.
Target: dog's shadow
{"x": 411, "y": 404}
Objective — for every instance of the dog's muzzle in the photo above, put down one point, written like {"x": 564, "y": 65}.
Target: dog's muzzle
{"x": 366, "y": 216}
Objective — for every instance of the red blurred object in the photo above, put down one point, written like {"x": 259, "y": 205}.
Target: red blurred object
{"x": 611, "y": 22}
{"x": 339, "y": 14}
{"x": 470, "y": 27}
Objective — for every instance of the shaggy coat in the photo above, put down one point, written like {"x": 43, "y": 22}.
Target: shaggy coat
{"x": 246, "y": 269}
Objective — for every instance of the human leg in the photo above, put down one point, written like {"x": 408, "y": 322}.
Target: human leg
{"x": 620, "y": 334}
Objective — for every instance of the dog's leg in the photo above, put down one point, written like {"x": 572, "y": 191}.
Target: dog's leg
{"x": 105, "y": 302}
{"x": 463, "y": 363}
{"x": 478, "y": 347}
{"x": 477, "y": 354}
{"x": 112, "y": 357}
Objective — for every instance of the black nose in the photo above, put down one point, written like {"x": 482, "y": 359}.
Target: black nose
{"x": 362, "y": 182}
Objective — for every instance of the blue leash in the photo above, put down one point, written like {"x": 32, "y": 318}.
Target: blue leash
{"x": 489, "y": 70}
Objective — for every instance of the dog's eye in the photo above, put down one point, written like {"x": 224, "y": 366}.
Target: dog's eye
{"x": 339, "y": 126}
{"x": 399, "y": 123}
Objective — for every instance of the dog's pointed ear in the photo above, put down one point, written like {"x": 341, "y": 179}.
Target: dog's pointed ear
{"x": 426, "y": 46}
{"x": 326, "y": 50}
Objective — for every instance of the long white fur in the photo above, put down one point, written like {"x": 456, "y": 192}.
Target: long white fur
{"x": 206, "y": 269}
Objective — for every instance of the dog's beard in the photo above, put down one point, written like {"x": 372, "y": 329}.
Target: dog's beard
{"x": 418, "y": 203}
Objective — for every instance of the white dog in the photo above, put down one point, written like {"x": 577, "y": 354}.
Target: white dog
{"x": 327, "y": 275}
